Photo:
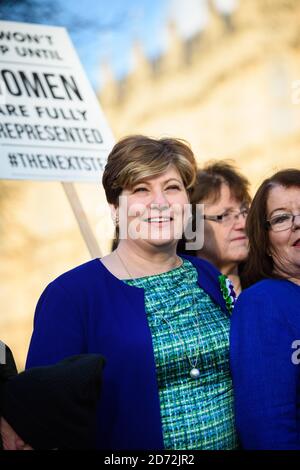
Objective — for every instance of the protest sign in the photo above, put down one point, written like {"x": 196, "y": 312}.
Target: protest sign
{"x": 51, "y": 123}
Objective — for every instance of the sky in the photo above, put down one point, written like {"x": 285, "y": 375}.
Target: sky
{"x": 137, "y": 20}
{"x": 114, "y": 25}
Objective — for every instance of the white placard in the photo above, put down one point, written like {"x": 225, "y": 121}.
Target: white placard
{"x": 51, "y": 123}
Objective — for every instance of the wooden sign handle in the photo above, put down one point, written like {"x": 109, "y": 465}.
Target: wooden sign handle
{"x": 82, "y": 220}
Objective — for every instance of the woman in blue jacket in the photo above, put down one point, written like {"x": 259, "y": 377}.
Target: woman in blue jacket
{"x": 160, "y": 320}
{"x": 265, "y": 334}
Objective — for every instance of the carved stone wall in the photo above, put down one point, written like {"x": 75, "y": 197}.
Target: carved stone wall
{"x": 228, "y": 90}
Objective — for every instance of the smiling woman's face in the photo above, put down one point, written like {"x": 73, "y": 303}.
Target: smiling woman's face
{"x": 153, "y": 210}
{"x": 285, "y": 245}
{"x": 224, "y": 245}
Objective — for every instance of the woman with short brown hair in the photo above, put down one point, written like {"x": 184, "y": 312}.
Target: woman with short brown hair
{"x": 160, "y": 320}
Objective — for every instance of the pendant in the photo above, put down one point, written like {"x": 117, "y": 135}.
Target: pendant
{"x": 195, "y": 373}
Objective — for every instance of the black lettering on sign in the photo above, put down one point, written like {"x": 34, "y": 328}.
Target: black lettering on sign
{"x": 54, "y": 161}
{"x": 37, "y": 53}
{"x": 25, "y": 37}
{"x": 11, "y": 83}
{"x": 40, "y": 85}
{"x": 40, "y": 132}
{"x": 3, "y": 49}
{"x": 34, "y": 86}
{"x": 12, "y": 110}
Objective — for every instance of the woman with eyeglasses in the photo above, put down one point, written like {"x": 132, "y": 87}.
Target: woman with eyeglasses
{"x": 265, "y": 331}
{"x": 224, "y": 192}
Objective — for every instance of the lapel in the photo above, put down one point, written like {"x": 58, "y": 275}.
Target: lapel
{"x": 208, "y": 280}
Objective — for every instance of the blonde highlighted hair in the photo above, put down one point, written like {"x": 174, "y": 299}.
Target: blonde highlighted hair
{"x": 138, "y": 157}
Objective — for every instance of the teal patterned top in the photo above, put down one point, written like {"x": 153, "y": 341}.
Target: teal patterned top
{"x": 189, "y": 330}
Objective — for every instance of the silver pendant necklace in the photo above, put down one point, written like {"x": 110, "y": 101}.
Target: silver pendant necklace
{"x": 194, "y": 371}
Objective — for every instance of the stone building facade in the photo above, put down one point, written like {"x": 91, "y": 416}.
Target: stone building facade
{"x": 232, "y": 90}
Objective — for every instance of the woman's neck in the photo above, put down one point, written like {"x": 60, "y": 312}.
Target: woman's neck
{"x": 147, "y": 261}
{"x": 289, "y": 272}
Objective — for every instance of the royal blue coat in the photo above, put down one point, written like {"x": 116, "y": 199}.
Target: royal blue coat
{"x": 265, "y": 365}
{"x": 89, "y": 310}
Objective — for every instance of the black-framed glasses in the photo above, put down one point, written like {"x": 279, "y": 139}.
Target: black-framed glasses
{"x": 228, "y": 217}
{"x": 281, "y": 222}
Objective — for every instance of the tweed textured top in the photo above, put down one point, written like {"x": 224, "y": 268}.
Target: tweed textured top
{"x": 195, "y": 413}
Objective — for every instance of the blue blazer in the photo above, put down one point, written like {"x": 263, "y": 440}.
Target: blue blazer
{"x": 265, "y": 365}
{"x": 89, "y": 310}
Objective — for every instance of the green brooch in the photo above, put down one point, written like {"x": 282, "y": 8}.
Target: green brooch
{"x": 228, "y": 292}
